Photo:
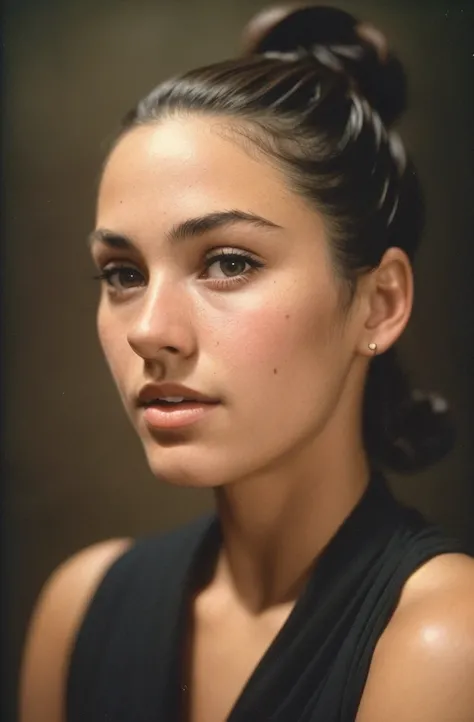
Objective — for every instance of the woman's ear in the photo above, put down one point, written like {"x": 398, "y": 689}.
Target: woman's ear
{"x": 388, "y": 301}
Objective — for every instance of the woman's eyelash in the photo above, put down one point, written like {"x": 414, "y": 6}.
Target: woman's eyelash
{"x": 124, "y": 277}
{"x": 233, "y": 255}
{"x": 108, "y": 274}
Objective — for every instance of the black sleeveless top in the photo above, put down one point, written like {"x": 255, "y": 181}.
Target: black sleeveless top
{"x": 127, "y": 660}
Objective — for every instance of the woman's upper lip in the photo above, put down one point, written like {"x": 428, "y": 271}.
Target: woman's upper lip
{"x": 151, "y": 392}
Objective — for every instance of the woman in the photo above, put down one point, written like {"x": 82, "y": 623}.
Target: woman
{"x": 256, "y": 225}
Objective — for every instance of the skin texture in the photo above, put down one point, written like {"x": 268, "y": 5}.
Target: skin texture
{"x": 283, "y": 450}
{"x": 286, "y": 361}
{"x": 423, "y": 666}
{"x": 245, "y": 344}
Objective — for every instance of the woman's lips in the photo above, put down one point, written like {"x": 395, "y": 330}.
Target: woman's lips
{"x": 176, "y": 416}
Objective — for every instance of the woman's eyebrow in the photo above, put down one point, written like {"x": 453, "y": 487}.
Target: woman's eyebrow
{"x": 190, "y": 228}
{"x": 109, "y": 238}
{"x": 194, "y": 227}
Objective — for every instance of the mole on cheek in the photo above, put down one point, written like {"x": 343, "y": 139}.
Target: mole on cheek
{"x": 275, "y": 371}
{"x": 287, "y": 316}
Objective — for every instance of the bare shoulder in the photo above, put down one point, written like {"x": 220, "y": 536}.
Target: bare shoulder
{"x": 56, "y": 619}
{"x": 423, "y": 666}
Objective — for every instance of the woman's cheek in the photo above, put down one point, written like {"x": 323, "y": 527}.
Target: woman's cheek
{"x": 271, "y": 337}
{"x": 305, "y": 314}
{"x": 113, "y": 341}
{"x": 104, "y": 333}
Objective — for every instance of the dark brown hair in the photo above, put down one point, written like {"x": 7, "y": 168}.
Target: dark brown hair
{"x": 318, "y": 96}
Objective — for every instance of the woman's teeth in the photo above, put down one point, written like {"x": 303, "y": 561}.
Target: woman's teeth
{"x": 171, "y": 399}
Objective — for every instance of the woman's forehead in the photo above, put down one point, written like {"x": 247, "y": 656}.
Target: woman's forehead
{"x": 194, "y": 147}
{"x": 192, "y": 162}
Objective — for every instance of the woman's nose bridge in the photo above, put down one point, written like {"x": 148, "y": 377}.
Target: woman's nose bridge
{"x": 164, "y": 311}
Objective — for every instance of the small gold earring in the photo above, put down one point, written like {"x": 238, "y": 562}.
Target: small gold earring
{"x": 373, "y": 347}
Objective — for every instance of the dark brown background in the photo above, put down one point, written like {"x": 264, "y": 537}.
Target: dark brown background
{"x": 74, "y": 471}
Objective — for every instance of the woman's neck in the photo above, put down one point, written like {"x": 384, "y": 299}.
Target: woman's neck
{"x": 274, "y": 525}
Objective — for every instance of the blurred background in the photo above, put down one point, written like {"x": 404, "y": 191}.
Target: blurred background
{"x": 74, "y": 472}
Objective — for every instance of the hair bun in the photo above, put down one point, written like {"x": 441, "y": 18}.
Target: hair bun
{"x": 406, "y": 429}
{"x": 338, "y": 40}
{"x": 428, "y": 433}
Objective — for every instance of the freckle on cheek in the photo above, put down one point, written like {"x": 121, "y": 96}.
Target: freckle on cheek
{"x": 287, "y": 315}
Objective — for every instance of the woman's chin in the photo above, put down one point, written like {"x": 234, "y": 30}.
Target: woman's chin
{"x": 182, "y": 479}
{"x": 184, "y": 469}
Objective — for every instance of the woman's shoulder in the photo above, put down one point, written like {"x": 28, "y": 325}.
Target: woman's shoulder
{"x": 424, "y": 660}
{"x": 437, "y": 577}
{"x": 68, "y": 595}
{"x": 57, "y": 617}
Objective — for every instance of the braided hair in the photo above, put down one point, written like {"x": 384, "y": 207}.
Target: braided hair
{"x": 318, "y": 93}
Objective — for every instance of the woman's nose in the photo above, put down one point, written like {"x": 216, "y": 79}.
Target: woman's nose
{"x": 163, "y": 322}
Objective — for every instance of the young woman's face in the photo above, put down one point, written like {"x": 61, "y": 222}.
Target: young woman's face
{"x": 259, "y": 330}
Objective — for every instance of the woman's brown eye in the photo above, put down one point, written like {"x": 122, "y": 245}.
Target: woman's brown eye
{"x": 120, "y": 277}
{"x": 233, "y": 267}
{"x": 128, "y": 277}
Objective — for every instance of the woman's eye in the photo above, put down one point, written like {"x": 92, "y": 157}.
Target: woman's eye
{"x": 226, "y": 265}
{"x": 121, "y": 277}
{"x": 223, "y": 269}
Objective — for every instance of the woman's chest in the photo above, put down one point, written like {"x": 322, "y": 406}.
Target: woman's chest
{"x": 222, "y": 654}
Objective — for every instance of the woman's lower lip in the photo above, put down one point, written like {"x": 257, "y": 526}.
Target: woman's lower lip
{"x": 175, "y": 417}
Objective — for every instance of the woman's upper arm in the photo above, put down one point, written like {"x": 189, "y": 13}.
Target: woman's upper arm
{"x": 423, "y": 670}
{"x": 53, "y": 626}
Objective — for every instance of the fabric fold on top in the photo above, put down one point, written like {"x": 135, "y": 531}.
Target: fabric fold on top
{"x": 126, "y": 664}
